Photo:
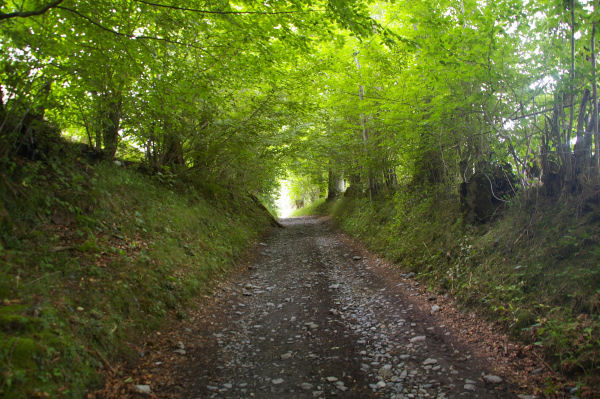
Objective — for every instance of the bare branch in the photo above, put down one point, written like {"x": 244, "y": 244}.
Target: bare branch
{"x": 543, "y": 111}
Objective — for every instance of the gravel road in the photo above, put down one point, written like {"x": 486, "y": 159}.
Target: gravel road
{"x": 311, "y": 319}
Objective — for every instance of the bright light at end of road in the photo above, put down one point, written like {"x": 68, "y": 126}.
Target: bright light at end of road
{"x": 284, "y": 202}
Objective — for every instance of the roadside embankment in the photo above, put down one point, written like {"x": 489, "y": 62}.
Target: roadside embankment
{"x": 95, "y": 255}
{"x": 533, "y": 269}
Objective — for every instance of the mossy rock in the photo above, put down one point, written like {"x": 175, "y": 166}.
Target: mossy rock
{"x": 12, "y": 320}
{"x": 477, "y": 202}
{"x": 565, "y": 248}
{"x": 6, "y": 224}
{"x": 17, "y": 323}
{"x": 18, "y": 360}
{"x": 39, "y": 364}
{"x": 21, "y": 352}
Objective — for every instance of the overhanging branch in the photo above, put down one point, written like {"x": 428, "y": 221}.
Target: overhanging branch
{"x": 135, "y": 37}
{"x": 543, "y": 111}
{"x": 180, "y": 8}
{"x": 25, "y": 14}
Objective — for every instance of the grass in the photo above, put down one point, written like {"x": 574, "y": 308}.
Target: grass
{"x": 319, "y": 207}
{"x": 94, "y": 256}
{"x": 534, "y": 269}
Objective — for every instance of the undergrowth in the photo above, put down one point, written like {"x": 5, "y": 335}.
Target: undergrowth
{"x": 534, "y": 269}
{"x": 93, "y": 256}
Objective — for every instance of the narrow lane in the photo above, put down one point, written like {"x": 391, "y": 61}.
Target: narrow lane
{"x": 311, "y": 319}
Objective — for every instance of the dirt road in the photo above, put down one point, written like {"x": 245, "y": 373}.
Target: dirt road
{"x": 314, "y": 317}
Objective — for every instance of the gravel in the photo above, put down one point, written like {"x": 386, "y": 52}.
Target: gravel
{"x": 309, "y": 320}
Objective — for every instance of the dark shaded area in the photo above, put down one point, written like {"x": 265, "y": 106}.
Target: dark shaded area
{"x": 486, "y": 191}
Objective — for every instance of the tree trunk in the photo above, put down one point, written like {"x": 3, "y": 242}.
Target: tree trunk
{"x": 365, "y": 134}
{"x": 110, "y": 132}
{"x": 595, "y": 132}
{"x": 354, "y": 188}
{"x": 391, "y": 179}
{"x": 333, "y": 184}
{"x": 582, "y": 152}
{"x": 553, "y": 169}
{"x": 572, "y": 76}
{"x": 109, "y": 120}
{"x": 172, "y": 149}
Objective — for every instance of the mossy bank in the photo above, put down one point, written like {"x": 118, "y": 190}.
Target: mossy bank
{"x": 95, "y": 255}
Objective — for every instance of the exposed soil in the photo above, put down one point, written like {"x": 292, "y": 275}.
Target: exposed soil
{"x": 315, "y": 315}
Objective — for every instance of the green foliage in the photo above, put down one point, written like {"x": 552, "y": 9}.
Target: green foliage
{"x": 215, "y": 86}
{"x": 303, "y": 190}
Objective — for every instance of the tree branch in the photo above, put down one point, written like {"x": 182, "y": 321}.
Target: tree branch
{"x": 375, "y": 98}
{"x": 173, "y": 7}
{"x": 134, "y": 37}
{"x": 543, "y": 111}
{"x": 25, "y": 14}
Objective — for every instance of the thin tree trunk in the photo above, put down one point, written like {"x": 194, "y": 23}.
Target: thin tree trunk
{"x": 595, "y": 131}
{"x": 110, "y": 121}
{"x": 390, "y": 178}
{"x": 365, "y": 134}
{"x": 333, "y": 184}
{"x": 172, "y": 148}
{"x": 572, "y": 75}
{"x": 581, "y": 150}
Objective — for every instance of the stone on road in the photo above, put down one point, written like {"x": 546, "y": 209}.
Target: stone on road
{"x": 309, "y": 318}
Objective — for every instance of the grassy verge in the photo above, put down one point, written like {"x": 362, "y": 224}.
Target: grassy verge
{"x": 534, "y": 269}
{"x": 318, "y": 207}
{"x": 93, "y": 256}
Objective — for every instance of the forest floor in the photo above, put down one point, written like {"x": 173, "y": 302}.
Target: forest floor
{"x": 313, "y": 314}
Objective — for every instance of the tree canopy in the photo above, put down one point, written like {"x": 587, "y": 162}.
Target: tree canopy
{"x": 373, "y": 92}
